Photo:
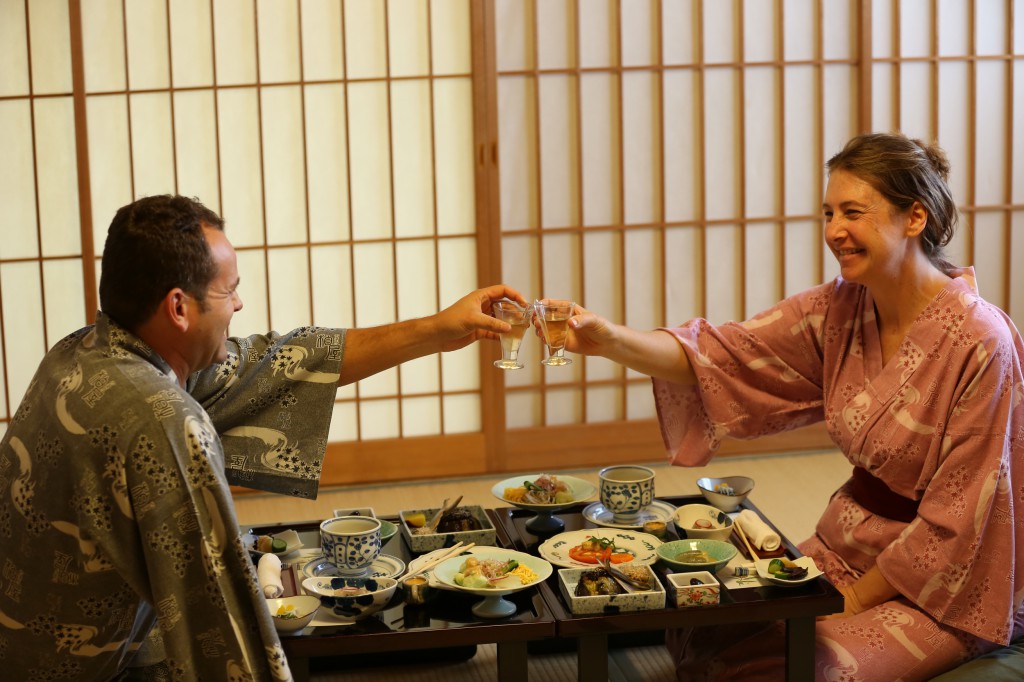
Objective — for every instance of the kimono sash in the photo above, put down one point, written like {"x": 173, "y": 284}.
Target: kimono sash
{"x": 874, "y": 495}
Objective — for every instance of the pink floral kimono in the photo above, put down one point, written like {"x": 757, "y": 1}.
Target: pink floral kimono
{"x": 941, "y": 426}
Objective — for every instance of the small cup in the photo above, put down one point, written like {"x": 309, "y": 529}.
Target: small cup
{"x": 351, "y": 543}
{"x": 626, "y": 490}
{"x": 418, "y": 591}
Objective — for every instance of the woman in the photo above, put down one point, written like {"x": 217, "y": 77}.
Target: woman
{"x": 918, "y": 380}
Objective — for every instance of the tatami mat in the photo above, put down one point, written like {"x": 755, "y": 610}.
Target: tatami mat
{"x": 790, "y": 489}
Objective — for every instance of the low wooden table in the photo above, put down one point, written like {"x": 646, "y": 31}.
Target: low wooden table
{"x": 798, "y": 606}
{"x": 444, "y": 623}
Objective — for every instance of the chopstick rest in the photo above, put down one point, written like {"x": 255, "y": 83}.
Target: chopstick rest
{"x": 268, "y": 572}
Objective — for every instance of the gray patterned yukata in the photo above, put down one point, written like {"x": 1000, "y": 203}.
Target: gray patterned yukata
{"x": 115, "y": 510}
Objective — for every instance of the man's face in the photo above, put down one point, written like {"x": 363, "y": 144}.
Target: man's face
{"x": 209, "y": 320}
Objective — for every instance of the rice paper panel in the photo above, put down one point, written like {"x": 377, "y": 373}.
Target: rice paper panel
{"x": 720, "y": 33}
{"x": 417, "y": 278}
{"x": 413, "y": 163}
{"x": 803, "y": 253}
{"x": 378, "y": 419}
{"x": 680, "y": 160}
{"x": 644, "y": 277}
{"x": 522, "y": 409}
{"x": 344, "y": 423}
{"x": 990, "y": 256}
{"x": 284, "y": 170}
{"x": 365, "y": 39}
{"x": 684, "y": 279}
{"x": 191, "y": 43}
{"x": 990, "y": 25}
{"x": 604, "y": 403}
{"x": 761, "y": 155}
{"x": 760, "y": 36}
{"x": 1017, "y": 151}
{"x": 639, "y": 32}
{"x": 65, "y": 295}
{"x": 882, "y": 28}
{"x": 838, "y": 111}
{"x": 454, "y": 168}
{"x": 235, "y": 49}
{"x": 561, "y": 266}
{"x": 915, "y": 43}
{"x": 110, "y": 174}
{"x": 841, "y": 19}
{"x": 954, "y": 28}
{"x": 514, "y": 42}
{"x": 603, "y": 287}
{"x": 517, "y": 155}
{"x": 421, "y": 416}
{"x": 559, "y": 154}
{"x": 17, "y": 181}
{"x": 641, "y": 148}
{"x": 1016, "y": 307}
{"x": 322, "y": 43}
{"x": 554, "y": 30}
{"x": 991, "y": 109}
{"x": 883, "y": 116}
{"x": 451, "y": 40}
{"x": 803, "y": 160}
{"x": 422, "y": 375}
{"x": 563, "y": 405}
{"x": 598, "y": 34}
{"x": 152, "y": 144}
{"x": 326, "y": 158}
{"x": 370, "y": 155}
{"x": 916, "y": 102}
{"x": 21, "y": 300}
{"x": 196, "y": 148}
{"x": 242, "y": 180}
{"x": 375, "y": 284}
{"x": 640, "y": 401}
{"x": 103, "y": 45}
{"x": 954, "y": 124}
{"x": 764, "y": 267}
{"x": 332, "y": 285}
{"x": 457, "y": 269}
{"x": 600, "y": 130}
{"x": 721, "y": 172}
{"x": 254, "y": 317}
{"x": 148, "y": 59}
{"x": 799, "y": 30}
{"x": 49, "y": 42}
{"x": 14, "y": 56}
{"x": 289, "y": 288}
{"x": 278, "y": 41}
{"x": 520, "y": 265}
{"x": 724, "y": 246}
{"x": 381, "y": 384}
{"x": 408, "y": 40}
{"x": 461, "y": 413}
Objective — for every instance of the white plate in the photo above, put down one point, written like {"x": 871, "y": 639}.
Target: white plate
{"x": 429, "y": 575}
{"x": 384, "y": 566}
{"x": 291, "y": 539}
{"x": 655, "y": 511}
{"x": 643, "y": 546}
{"x": 805, "y": 561}
{"x": 493, "y": 604}
{"x": 581, "y": 491}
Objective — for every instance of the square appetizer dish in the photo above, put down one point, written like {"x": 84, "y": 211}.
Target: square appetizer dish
{"x": 694, "y": 589}
{"x": 467, "y": 523}
{"x": 593, "y": 590}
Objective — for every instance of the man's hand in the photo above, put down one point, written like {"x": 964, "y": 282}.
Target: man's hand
{"x": 469, "y": 319}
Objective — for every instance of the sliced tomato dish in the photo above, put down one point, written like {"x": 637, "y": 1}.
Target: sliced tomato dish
{"x": 593, "y": 549}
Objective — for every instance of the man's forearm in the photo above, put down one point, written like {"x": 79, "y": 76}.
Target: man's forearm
{"x": 375, "y": 349}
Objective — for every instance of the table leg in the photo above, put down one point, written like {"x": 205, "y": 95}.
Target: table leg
{"x": 800, "y": 649}
{"x": 592, "y": 658}
{"x": 299, "y": 668}
{"x": 512, "y": 665}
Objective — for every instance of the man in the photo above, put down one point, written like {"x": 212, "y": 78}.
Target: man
{"x": 116, "y": 509}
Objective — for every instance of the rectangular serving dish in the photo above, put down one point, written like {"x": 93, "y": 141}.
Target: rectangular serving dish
{"x": 419, "y": 544}
{"x": 650, "y": 600}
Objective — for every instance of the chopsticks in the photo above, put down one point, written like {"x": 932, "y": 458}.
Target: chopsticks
{"x": 743, "y": 536}
{"x": 457, "y": 548}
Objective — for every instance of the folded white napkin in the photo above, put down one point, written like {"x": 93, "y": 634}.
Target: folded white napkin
{"x": 758, "y": 532}
{"x": 268, "y": 571}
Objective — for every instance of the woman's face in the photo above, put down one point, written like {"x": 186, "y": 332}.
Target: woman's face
{"x": 868, "y": 236}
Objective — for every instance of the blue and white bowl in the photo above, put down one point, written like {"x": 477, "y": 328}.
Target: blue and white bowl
{"x": 352, "y": 543}
{"x": 375, "y": 593}
{"x": 625, "y": 490}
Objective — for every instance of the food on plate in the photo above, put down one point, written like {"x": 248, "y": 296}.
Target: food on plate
{"x": 545, "y": 489}
{"x": 287, "y": 611}
{"x": 725, "y": 489}
{"x": 784, "y": 569}
{"x": 597, "y": 582}
{"x": 266, "y": 543}
{"x": 594, "y": 549}
{"x": 416, "y": 520}
{"x": 703, "y": 524}
{"x": 458, "y": 520}
{"x": 695, "y": 556}
{"x": 484, "y": 573}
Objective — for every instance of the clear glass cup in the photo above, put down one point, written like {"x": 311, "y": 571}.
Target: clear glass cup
{"x": 519, "y": 317}
{"x": 554, "y": 317}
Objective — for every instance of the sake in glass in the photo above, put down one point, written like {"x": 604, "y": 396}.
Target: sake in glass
{"x": 554, "y": 317}
{"x": 519, "y": 318}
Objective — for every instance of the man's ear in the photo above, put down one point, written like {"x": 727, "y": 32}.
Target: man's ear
{"x": 917, "y": 219}
{"x": 175, "y": 307}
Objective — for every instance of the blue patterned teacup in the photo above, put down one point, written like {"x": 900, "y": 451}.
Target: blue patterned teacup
{"x": 626, "y": 490}
{"x": 351, "y": 543}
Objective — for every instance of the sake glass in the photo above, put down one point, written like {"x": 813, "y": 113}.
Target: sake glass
{"x": 554, "y": 315}
{"x": 519, "y": 317}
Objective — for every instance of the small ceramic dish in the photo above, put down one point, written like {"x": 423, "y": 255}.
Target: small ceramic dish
{"x": 426, "y": 542}
{"x": 805, "y": 561}
{"x": 739, "y": 485}
{"x": 351, "y": 599}
{"x": 291, "y": 614}
{"x": 720, "y": 553}
{"x": 290, "y": 538}
{"x": 690, "y": 517}
{"x": 569, "y": 578}
{"x": 694, "y": 589}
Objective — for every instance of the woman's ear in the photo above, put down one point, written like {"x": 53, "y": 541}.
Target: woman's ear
{"x": 917, "y": 219}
